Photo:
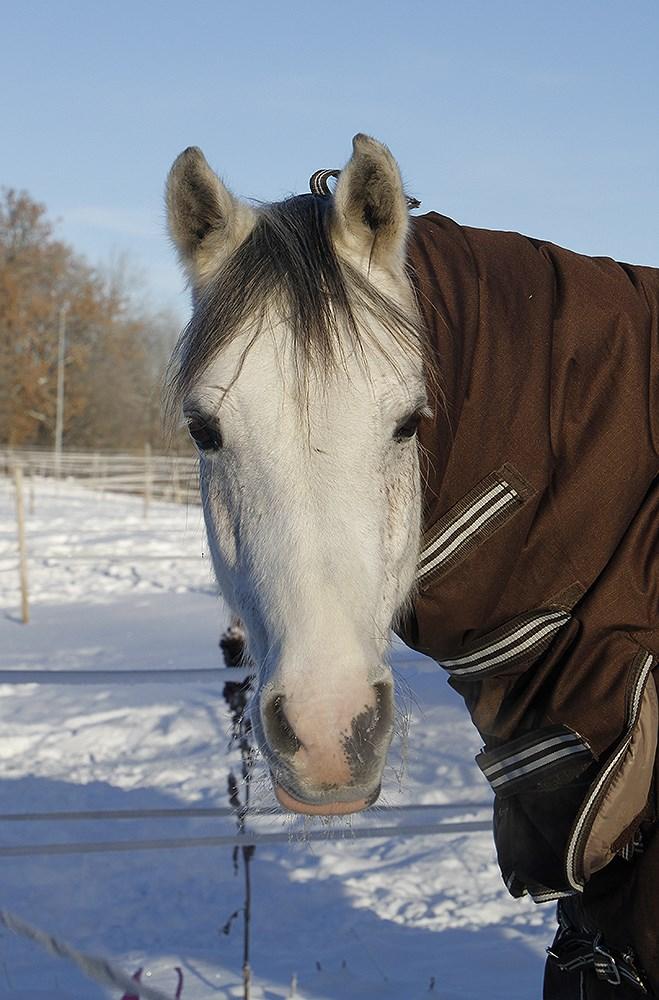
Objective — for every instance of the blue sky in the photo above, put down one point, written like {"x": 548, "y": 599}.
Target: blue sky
{"x": 535, "y": 116}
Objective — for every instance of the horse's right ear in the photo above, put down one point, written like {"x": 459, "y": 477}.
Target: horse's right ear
{"x": 205, "y": 221}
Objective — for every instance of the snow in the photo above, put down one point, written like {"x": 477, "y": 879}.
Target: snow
{"x": 387, "y": 918}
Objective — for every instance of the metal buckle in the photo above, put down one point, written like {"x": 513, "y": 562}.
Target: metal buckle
{"x": 605, "y": 964}
{"x": 630, "y": 970}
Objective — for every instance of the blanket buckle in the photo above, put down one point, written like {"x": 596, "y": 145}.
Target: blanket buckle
{"x": 604, "y": 962}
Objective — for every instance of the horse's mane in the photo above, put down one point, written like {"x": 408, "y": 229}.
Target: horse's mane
{"x": 288, "y": 262}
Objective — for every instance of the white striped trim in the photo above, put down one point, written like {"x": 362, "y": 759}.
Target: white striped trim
{"x": 529, "y": 634}
{"x": 510, "y": 881}
{"x": 516, "y": 758}
{"x": 497, "y": 497}
{"x": 528, "y": 757}
{"x": 469, "y": 513}
{"x": 535, "y": 765}
{"x": 639, "y": 688}
{"x": 549, "y": 896}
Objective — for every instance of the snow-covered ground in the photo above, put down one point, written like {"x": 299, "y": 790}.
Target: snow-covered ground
{"x": 395, "y": 918}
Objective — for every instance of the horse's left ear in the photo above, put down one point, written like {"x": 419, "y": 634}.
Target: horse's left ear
{"x": 370, "y": 208}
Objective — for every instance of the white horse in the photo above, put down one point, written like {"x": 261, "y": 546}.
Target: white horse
{"x": 302, "y": 379}
{"x": 303, "y": 375}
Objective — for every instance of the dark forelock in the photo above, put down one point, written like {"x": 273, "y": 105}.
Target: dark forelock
{"x": 287, "y": 262}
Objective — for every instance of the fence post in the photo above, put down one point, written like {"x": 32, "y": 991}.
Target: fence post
{"x": 22, "y": 553}
{"x": 31, "y": 507}
{"x": 147, "y": 479}
{"x": 175, "y": 481}
{"x": 97, "y": 474}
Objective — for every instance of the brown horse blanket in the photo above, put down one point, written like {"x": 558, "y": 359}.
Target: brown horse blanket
{"x": 538, "y": 589}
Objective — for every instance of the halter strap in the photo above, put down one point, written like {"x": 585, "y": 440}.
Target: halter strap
{"x": 319, "y": 182}
{"x": 319, "y": 185}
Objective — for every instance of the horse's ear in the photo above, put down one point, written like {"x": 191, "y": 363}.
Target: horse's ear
{"x": 370, "y": 208}
{"x": 205, "y": 221}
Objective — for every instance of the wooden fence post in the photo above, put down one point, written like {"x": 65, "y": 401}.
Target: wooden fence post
{"x": 22, "y": 552}
{"x": 31, "y": 507}
{"x": 175, "y": 481}
{"x": 148, "y": 485}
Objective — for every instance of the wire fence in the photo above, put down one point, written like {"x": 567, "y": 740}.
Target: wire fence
{"x": 175, "y": 479}
{"x": 212, "y": 812}
{"x": 250, "y": 839}
{"x": 182, "y": 675}
{"x": 360, "y": 829}
{"x": 170, "y": 477}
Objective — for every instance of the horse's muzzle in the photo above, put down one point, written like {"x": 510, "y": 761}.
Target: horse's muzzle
{"x": 292, "y": 804}
{"x": 326, "y": 757}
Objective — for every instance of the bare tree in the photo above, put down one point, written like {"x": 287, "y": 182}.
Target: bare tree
{"x": 116, "y": 347}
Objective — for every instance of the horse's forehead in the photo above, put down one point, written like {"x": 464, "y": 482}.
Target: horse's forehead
{"x": 258, "y": 369}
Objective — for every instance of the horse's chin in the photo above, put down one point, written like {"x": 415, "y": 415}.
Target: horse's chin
{"x": 291, "y": 804}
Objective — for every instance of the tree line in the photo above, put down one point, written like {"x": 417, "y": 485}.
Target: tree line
{"x": 116, "y": 346}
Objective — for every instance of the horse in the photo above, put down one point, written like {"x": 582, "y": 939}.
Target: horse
{"x": 406, "y": 423}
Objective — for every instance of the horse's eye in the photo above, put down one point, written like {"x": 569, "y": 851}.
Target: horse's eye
{"x": 409, "y": 427}
{"x": 206, "y": 435}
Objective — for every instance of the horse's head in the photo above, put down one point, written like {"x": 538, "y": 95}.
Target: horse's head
{"x": 301, "y": 378}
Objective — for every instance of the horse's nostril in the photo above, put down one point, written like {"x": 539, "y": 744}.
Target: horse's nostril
{"x": 278, "y": 729}
{"x": 371, "y": 730}
{"x": 384, "y": 709}
{"x": 372, "y": 727}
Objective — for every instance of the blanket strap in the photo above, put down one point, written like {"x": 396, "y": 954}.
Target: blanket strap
{"x": 574, "y": 949}
{"x": 319, "y": 185}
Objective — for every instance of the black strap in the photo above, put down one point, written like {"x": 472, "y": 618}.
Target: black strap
{"x": 319, "y": 185}
{"x": 573, "y": 950}
{"x": 319, "y": 182}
